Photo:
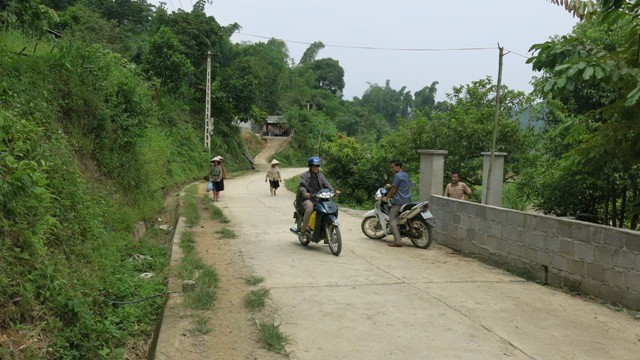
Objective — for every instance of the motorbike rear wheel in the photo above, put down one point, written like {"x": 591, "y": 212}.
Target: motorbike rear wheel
{"x": 304, "y": 240}
{"x": 334, "y": 239}
{"x": 371, "y": 228}
{"x": 424, "y": 238}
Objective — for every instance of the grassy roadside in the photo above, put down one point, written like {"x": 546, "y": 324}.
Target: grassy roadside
{"x": 192, "y": 268}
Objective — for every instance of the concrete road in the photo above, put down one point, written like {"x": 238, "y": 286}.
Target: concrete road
{"x": 379, "y": 302}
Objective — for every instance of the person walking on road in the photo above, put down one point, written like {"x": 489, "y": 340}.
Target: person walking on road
{"x": 273, "y": 176}
{"x": 215, "y": 176}
{"x": 456, "y": 189}
{"x": 399, "y": 193}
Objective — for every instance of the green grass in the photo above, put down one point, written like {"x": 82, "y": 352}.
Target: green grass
{"x": 190, "y": 207}
{"x": 256, "y": 299}
{"x": 200, "y": 325}
{"x": 254, "y": 280}
{"x": 206, "y": 289}
{"x": 273, "y": 338}
{"x": 216, "y": 213}
{"x": 187, "y": 243}
{"x": 227, "y": 233}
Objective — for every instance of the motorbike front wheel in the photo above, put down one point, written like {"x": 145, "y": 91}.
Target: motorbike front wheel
{"x": 334, "y": 239}
{"x": 423, "y": 231}
{"x": 371, "y": 227}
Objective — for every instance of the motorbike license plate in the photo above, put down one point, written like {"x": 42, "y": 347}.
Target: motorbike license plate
{"x": 426, "y": 214}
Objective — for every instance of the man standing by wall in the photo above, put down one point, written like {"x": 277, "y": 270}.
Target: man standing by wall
{"x": 399, "y": 194}
{"x": 456, "y": 189}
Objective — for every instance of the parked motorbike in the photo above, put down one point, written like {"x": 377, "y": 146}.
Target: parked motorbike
{"x": 323, "y": 222}
{"x": 415, "y": 221}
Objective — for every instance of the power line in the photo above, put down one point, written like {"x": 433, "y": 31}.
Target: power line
{"x": 515, "y": 53}
{"x": 376, "y": 48}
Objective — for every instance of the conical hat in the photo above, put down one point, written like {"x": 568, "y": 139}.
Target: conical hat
{"x": 275, "y": 162}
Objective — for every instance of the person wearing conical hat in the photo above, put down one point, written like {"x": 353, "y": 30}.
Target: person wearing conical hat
{"x": 215, "y": 176}
{"x": 273, "y": 176}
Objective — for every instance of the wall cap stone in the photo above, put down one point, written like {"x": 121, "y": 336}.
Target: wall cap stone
{"x": 434, "y": 152}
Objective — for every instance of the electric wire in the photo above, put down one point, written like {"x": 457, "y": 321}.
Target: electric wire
{"x": 376, "y": 48}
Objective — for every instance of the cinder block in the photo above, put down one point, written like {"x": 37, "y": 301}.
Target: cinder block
{"x": 633, "y": 280}
{"x": 470, "y": 222}
{"x": 585, "y": 251}
{"x": 485, "y": 227}
{"x": 456, "y": 219}
{"x": 516, "y": 218}
{"x": 552, "y": 243}
{"x": 631, "y": 300}
{"x": 520, "y": 236}
{"x": 590, "y": 287}
{"x": 571, "y": 283}
{"x": 554, "y": 278}
{"x": 481, "y": 211}
{"x": 502, "y": 246}
{"x": 612, "y": 294}
{"x": 597, "y": 236}
{"x": 546, "y": 225}
{"x": 594, "y": 271}
{"x": 543, "y": 258}
{"x": 559, "y": 262}
{"x": 508, "y": 232}
{"x": 536, "y": 239}
{"x": 624, "y": 259}
{"x": 493, "y": 214}
{"x": 565, "y": 229}
{"x": 567, "y": 248}
{"x": 615, "y": 277}
{"x": 515, "y": 249}
{"x": 613, "y": 238}
{"x": 583, "y": 232}
{"x": 491, "y": 242}
{"x": 529, "y": 253}
{"x": 604, "y": 254}
{"x": 575, "y": 267}
{"x": 530, "y": 221}
{"x": 496, "y": 230}
{"x": 632, "y": 242}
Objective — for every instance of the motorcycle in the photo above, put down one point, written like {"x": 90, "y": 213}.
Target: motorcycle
{"x": 415, "y": 221}
{"x": 323, "y": 222}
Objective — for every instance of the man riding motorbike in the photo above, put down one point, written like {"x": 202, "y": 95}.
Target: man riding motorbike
{"x": 311, "y": 181}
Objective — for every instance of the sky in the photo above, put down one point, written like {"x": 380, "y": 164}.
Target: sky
{"x": 402, "y": 24}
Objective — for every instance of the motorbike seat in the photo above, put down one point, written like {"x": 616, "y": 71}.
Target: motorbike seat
{"x": 408, "y": 206}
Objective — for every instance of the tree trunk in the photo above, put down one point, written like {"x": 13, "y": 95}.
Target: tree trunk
{"x": 614, "y": 208}
{"x": 635, "y": 206}
{"x": 606, "y": 208}
{"x": 623, "y": 206}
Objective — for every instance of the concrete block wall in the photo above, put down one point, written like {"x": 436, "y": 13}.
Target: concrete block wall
{"x": 593, "y": 259}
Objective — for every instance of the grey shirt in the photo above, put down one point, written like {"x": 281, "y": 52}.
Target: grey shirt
{"x": 402, "y": 183}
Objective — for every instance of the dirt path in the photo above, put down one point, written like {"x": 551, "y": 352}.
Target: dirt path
{"x": 232, "y": 327}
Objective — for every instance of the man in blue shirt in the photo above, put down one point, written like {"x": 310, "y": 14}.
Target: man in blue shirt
{"x": 399, "y": 194}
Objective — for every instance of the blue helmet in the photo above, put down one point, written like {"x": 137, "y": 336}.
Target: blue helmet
{"x": 314, "y": 160}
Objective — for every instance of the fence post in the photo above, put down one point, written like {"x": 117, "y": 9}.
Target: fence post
{"x": 431, "y": 173}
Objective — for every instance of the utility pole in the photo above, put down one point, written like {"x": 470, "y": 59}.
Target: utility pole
{"x": 495, "y": 125}
{"x": 208, "y": 122}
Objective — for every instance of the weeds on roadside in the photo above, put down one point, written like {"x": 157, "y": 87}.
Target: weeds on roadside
{"x": 273, "y": 338}
{"x": 200, "y": 325}
{"x": 227, "y": 233}
{"x": 256, "y": 299}
{"x": 216, "y": 213}
{"x": 187, "y": 243}
{"x": 253, "y": 280}
{"x": 191, "y": 211}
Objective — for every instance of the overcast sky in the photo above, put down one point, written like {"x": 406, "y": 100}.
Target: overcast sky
{"x": 402, "y": 24}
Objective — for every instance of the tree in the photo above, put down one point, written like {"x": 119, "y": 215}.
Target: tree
{"x": 165, "y": 60}
{"x": 425, "y": 98}
{"x": 310, "y": 54}
{"x": 386, "y": 101}
{"x": 329, "y": 74}
{"x": 598, "y": 65}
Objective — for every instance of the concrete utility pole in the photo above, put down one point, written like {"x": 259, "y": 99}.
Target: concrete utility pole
{"x": 208, "y": 122}
{"x": 485, "y": 196}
